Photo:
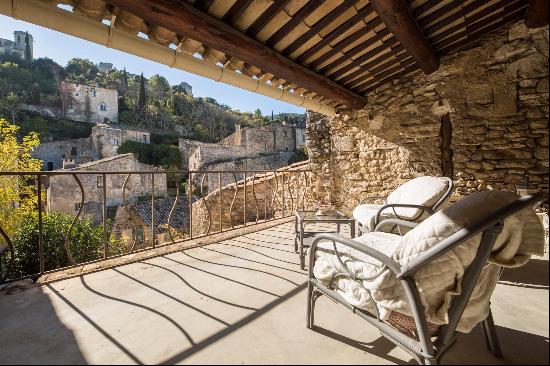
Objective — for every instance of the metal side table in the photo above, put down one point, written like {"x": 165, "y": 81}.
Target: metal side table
{"x": 303, "y": 218}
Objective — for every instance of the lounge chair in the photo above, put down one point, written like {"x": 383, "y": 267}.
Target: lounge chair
{"x": 451, "y": 262}
{"x": 413, "y": 201}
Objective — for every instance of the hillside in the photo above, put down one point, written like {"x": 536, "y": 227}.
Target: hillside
{"x": 150, "y": 103}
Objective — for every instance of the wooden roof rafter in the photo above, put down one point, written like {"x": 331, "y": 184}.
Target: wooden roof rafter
{"x": 332, "y": 51}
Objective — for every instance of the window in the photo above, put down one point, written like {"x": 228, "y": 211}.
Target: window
{"x": 103, "y": 107}
{"x": 77, "y": 206}
{"x": 137, "y": 234}
{"x": 49, "y": 166}
{"x": 115, "y": 142}
{"x": 144, "y": 138}
{"x": 286, "y": 148}
{"x": 99, "y": 181}
{"x": 74, "y": 152}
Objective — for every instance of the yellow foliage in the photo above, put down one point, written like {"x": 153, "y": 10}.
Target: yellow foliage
{"x": 18, "y": 195}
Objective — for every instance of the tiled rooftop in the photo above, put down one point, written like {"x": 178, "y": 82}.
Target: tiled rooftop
{"x": 241, "y": 300}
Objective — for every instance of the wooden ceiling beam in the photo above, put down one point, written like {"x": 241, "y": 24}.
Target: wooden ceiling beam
{"x": 362, "y": 14}
{"x": 399, "y": 20}
{"x": 319, "y": 26}
{"x": 203, "y": 5}
{"x": 293, "y": 22}
{"x": 266, "y": 17}
{"x": 185, "y": 20}
{"x": 537, "y": 14}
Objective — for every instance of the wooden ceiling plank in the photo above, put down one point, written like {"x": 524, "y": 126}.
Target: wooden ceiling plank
{"x": 348, "y": 41}
{"x": 236, "y": 11}
{"x": 304, "y": 11}
{"x": 478, "y": 21}
{"x": 374, "y": 66}
{"x": 266, "y": 17}
{"x": 444, "y": 10}
{"x": 474, "y": 17}
{"x": 362, "y": 14}
{"x": 381, "y": 82}
{"x": 359, "y": 60}
{"x": 397, "y": 17}
{"x": 319, "y": 26}
{"x": 537, "y": 14}
{"x": 385, "y": 70}
{"x": 185, "y": 20}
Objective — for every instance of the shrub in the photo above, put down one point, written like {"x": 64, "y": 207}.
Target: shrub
{"x": 86, "y": 243}
{"x": 301, "y": 154}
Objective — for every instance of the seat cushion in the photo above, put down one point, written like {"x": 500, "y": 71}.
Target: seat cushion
{"x": 366, "y": 215}
{"x": 425, "y": 191}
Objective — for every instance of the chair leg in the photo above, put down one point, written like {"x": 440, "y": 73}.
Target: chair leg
{"x": 489, "y": 330}
{"x": 310, "y": 306}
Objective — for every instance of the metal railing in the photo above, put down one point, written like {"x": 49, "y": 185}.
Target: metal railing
{"x": 213, "y": 202}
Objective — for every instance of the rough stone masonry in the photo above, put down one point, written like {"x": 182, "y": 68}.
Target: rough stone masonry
{"x": 482, "y": 119}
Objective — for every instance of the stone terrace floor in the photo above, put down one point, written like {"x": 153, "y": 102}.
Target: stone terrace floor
{"x": 241, "y": 300}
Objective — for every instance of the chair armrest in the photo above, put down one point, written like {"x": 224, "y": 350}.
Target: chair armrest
{"x": 399, "y": 222}
{"x": 402, "y": 205}
{"x": 336, "y": 238}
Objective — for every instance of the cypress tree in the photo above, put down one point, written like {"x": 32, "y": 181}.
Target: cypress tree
{"x": 28, "y": 55}
{"x": 142, "y": 100}
{"x": 124, "y": 82}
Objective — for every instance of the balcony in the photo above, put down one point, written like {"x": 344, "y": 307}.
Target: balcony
{"x": 239, "y": 300}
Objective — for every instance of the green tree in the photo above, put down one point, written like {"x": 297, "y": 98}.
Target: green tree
{"x": 11, "y": 104}
{"x": 17, "y": 194}
{"x": 142, "y": 99}
{"x": 82, "y": 70}
{"x": 158, "y": 87}
{"x": 28, "y": 54}
{"x": 87, "y": 108}
{"x": 35, "y": 94}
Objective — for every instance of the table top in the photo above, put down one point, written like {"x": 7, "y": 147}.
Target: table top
{"x": 311, "y": 216}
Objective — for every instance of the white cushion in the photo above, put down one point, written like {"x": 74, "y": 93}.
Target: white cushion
{"x": 425, "y": 191}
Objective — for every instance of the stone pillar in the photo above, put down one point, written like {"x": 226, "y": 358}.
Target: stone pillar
{"x": 318, "y": 144}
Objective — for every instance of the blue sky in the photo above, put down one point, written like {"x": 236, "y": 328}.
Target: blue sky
{"x": 61, "y": 48}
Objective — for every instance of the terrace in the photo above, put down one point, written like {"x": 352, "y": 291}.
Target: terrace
{"x": 394, "y": 90}
{"x": 239, "y": 300}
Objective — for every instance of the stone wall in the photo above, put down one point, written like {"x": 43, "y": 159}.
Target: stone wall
{"x": 64, "y": 195}
{"x": 54, "y": 153}
{"x": 258, "y": 162}
{"x": 266, "y": 198}
{"x": 482, "y": 118}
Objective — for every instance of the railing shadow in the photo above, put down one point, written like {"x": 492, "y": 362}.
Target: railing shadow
{"x": 532, "y": 275}
{"x": 197, "y": 290}
{"x": 240, "y": 267}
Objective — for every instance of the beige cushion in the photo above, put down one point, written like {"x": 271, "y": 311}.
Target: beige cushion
{"x": 425, "y": 191}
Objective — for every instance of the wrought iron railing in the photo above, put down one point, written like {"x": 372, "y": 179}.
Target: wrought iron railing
{"x": 199, "y": 204}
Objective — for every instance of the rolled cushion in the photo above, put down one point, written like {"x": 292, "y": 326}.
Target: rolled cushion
{"x": 424, "y": 191}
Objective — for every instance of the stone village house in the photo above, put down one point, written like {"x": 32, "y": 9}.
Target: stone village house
{"x": 64, "y": 195}
{"x": 102, "y": 143}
